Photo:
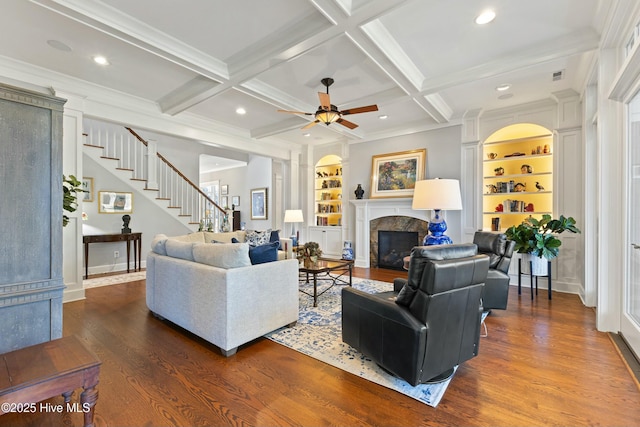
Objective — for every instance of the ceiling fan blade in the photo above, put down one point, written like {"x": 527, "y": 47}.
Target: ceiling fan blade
{"x": 347, "y": 123}
{"x": 311, "y": 124}
{"x": 325, "y": 101}
{"x": 295, "y": 112}
{"x": 359, "y": 110}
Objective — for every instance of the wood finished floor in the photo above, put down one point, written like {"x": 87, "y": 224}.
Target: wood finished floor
{"x": 543, "y": 363}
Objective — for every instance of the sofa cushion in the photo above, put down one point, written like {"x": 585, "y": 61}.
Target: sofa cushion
{"x": 197, "y": 237}
{"x": 222, "y": 255}
{"x": 275, "y": 237}
{"x": 257, "y": 238}
{"x": 218, "y": 237}
{"x": 264, "y": 253}
{"x": 158, "y": 244}
{"x": 179, "y": 249}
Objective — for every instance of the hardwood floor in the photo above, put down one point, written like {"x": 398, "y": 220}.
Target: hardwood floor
{"x": 543, "y": 363}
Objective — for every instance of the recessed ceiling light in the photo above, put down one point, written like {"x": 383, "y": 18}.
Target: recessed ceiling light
{"x": 100, "y": 60}
{"x": 503, "y": 87}
{"x": 382, "y": 117}
{"x": 57, "y": 44}
{"x": 306, "y": 134}
{"x": 485, "y": 17}
{"x": 241, "y": 111}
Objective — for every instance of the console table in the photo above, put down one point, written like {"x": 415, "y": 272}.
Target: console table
{"x": 136, "y": 238}
{"x": 33, "y": 374}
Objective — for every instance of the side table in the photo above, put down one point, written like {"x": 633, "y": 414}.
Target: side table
{"x": 32, "y": 374}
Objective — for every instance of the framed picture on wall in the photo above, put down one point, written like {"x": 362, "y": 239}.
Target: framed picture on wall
{"x": 395, "y": 174}
{"x": 224, "y": 202}
{"x": 87, "y": 186}
{"x": 224, "y": 190}
{"x": 235, "y": 201}
{"x": 259, "y": 203}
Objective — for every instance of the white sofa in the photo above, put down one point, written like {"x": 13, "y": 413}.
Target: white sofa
{"x": 213, "y": 291}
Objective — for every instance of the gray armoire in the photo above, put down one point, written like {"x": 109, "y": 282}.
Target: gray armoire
{"x": 30, "y": 218}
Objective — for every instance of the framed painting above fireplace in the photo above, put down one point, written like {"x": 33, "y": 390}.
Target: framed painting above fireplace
{"x": 395, "y": 174}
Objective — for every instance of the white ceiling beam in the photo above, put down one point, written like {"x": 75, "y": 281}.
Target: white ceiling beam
{"x": 573, "y": 44}
{"x": 121, "y": 26}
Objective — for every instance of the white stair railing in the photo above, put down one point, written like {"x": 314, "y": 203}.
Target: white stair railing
{"x": 183, "y": 196}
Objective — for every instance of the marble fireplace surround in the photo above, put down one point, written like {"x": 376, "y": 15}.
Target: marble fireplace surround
{"x": 367, "y": 210}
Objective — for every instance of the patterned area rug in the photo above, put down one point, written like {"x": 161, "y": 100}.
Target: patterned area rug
{"x": 113, "y": 280}
{"x": 318, "y": 334}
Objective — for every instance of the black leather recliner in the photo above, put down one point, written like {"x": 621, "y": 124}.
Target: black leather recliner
{"x": 500, "y": 251}
{"x": 432, "y": 325}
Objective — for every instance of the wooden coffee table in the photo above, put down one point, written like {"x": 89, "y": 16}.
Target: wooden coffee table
{"x": 326, "y": 270}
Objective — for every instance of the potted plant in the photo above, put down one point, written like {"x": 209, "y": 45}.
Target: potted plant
{"x": 537, "y": 239}
{"x": 70, "y": 188}
{"x": 309, "y": 253}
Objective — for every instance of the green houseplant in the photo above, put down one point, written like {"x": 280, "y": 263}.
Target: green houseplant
{"x": 70, "y": 188}
{"x": 537, "y": 238}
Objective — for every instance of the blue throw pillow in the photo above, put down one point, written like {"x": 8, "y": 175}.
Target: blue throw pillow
{"x": 275, "y": 237}
{"x": 234, "y": 240}
{"x": 263, "y": 253}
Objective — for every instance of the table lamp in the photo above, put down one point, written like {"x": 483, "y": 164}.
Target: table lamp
{"x": 293, "y": 216}
{"x": 436, "y": 195}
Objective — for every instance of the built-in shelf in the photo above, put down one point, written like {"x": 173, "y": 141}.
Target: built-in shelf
{"x": 510, "y": 163}
{"x": 328, "y": 191}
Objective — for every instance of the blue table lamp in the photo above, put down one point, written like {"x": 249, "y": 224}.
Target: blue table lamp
{"x": 437, "y": 195}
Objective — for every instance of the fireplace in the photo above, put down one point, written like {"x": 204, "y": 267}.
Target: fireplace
{"x": 393, "y": 246}
{"x": 392, "y": 224}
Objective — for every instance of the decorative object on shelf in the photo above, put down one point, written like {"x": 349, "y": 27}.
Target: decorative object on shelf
{"x": 520, "y": 187}
{"x": 529, "y": 208}
{"x": 492, "y": 188}
{"x": 492, "y": 156}
{"x": 499, "y": 171}
{"x": 308, "y": 254}
{"x": 293, "y": 216}
{"x": 537, "y": 239}
{"x": 539, "y": 186}
{"x": 546, "y": 149}
{"x": 359, "y": 191}
{"x": 500, "y": 208}
{"x": 347, "y": 251}
{"x": 125, "y": 224}
{"x": 436, "y": 195}
{"x": 396, "y": 174}
{"x": 516, "y": 154}
{"x": 259, "y": 203}
{"x": 526, "y": 169}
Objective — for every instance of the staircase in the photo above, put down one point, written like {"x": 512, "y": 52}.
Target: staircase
{"x": 137, "y": 164}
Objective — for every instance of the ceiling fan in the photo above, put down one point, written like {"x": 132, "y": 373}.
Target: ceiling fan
{"x": 328, "y": 113}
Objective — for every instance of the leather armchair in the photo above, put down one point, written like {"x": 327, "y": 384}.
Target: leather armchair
{"x": 500, "y": 251}
{"x": 432, "y": 325}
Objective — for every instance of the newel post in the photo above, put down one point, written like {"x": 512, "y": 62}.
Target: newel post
{"x": 151, "y": 158}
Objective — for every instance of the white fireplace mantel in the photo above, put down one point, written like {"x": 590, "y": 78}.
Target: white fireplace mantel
{"x": 370, "y": 209}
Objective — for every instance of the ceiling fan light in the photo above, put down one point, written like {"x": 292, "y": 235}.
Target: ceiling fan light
{"x": 327, "y": 117}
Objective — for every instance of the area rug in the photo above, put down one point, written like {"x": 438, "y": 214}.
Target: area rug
{"x": 318, "y": 334}
{"x": 114, "y": 279}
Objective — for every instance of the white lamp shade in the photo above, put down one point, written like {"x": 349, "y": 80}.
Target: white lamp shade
{"x": 293, "y": 215}
{"x": 432, "y": 194}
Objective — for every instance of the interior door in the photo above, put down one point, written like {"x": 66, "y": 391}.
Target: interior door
{"x": 630, "y": 317}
